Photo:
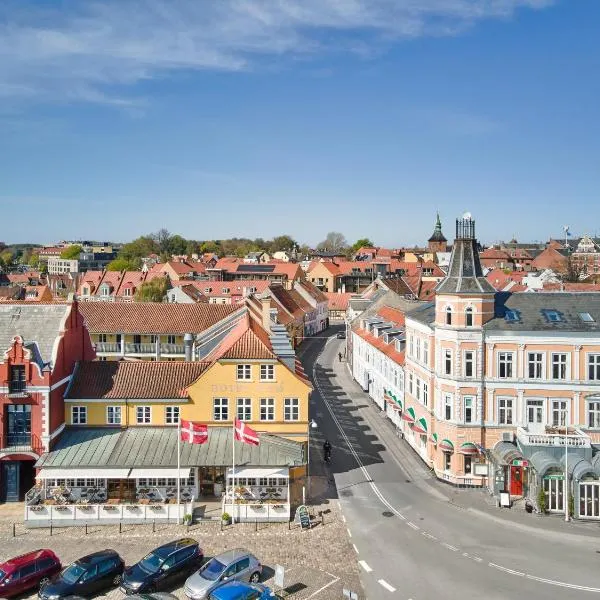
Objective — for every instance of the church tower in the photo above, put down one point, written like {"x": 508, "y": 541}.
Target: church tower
{"x": 437, "y": 242}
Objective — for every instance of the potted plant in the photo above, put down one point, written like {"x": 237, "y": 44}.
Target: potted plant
{"x": 571, "y": 506}
{"x": 187, "y": 519}
{"x": 541, "y": 501}
{"x": 226, "y": 518}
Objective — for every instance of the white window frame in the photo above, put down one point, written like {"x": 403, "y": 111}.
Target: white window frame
{"x": 79, "y": 415}
{"x": 506, "y": 407}
{"x": 267, "y": 409}
{"x": 473, "y": 363}
{"x": 448, "y": 315}
{"x": 220, "y": 409}
{"x": 560, "y": 365}
{"x": 538, "y": 407}
{"x": 469, "y": 404}
{"x": 469, "y": 312}
{"x": 447, "y": 360}
{"x": 267, "y": 372}
{"x": 171, "y": 339}
{"x": 418, "y": 349}
{"x": 243, "y": 409}
{"x": 425, "y": 394}
{"x": 537, "y": 363}
{"x": 592, "y": 362}
{"x": 448, "y": 406}
{"x": 114, "y": 409}
{"x": 558, "y": 411}
{"x": 291, "y": 409}
{"x": 143, "y": 415}
{"x": 172, "y": 415}
{"x": 426, "y": 352}
{"x": 593, "y": 409}
{"x": 507, "y": 359}
{"x": 243, "y": 372}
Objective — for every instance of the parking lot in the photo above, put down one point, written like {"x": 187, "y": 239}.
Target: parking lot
{"x": 319, "y": 562}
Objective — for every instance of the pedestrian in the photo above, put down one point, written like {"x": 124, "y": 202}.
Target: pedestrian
{"x": 340, "y": 356}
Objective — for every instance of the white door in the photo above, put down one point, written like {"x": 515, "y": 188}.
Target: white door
{"x": 554, "y": 494}
{"x": 589, "y": 500}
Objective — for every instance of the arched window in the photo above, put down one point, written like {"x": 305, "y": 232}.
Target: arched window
{"x": 448, "y": 315}
{"x": 469, "y": 316}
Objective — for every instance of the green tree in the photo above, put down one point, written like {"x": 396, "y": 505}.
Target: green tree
{"x": 334, "y": 242}
{"x": 34, "y": 260}
{"x": 152, "y": 291}
{"x": 123, "y": 264}
{"x": 282, "y": 242}
{"x": 210, "y": 246}
{"x": 363, "y": 242}
{"x": 71, "y": 252}
{"x": 137, "y": 249}
{"x": 175, "y": 244}
{"x": 6, "y": 259}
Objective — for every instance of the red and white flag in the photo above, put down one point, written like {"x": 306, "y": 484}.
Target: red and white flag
{"x": 243, "y": 433}
{"x": 194, "y": 433}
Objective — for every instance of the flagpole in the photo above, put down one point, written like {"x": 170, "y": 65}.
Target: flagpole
{"x": 178, "y": 469}
{"x": 233, "y": 468}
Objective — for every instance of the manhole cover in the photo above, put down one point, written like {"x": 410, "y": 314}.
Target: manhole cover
{"x": 346, "y": 493}
{"x": 387, "y": 513}
{"x": 408, "y": 481}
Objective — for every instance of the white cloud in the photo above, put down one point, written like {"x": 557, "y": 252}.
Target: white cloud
{"x": 87, "y": 50}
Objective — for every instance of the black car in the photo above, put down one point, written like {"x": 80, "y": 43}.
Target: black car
{"x": 85, "y": 577}
{"x": 341, "y": 335}
{"x": 163, "y": 566}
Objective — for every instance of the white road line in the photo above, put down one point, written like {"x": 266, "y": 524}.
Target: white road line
{"x": 334, "y": 580}
{"x": 411, "y": 524}
{"x": 365, "y": 566}
{"x": 349, "y": 533}
{"x": 453, "y": 548}
{"x": 343, "y": 518}
{"x": 477, "y": 559}
{"x": 572, "y": 586}
{"x": 355, "y": 548}
{"x": 428, "y": 536}
{"x": 386, "y": 585}
{"x": 501, "y": 568}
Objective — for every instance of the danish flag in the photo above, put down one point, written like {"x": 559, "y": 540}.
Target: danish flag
{"x": 194, "y": 433}
{"x": 243, "y": 433}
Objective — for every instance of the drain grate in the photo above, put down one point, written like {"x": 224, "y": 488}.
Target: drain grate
{"x": 387, "y": 513}
{"x": 346, "y": 493}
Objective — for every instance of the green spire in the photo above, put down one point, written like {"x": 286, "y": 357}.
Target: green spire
{"x": 438, "y": 224}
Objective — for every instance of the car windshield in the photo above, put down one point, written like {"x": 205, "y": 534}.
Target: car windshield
{"x": 2, "y": 574}
{"x": 151, "y": 562}
{"x": 72, "y": 573}
{"x": 213, "y": 569}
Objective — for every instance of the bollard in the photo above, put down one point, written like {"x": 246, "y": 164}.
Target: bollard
{"x": 120, "y": 526}
{"x": 221, "y": 524}
{"x": 256, "y": 524}
{"x": 153, "y": 525}
{"x": 323, "y": 519}
{"x": 289, "y": 525}
{"x": 50, "y": 527}
{"x": 14, "y": 530}
{"x": 86, "y": 529}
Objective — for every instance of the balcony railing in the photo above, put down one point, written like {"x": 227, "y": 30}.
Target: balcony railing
{"x": 172, "y": 349}
{"x": 575, "y": 438}
{"x": 108, "y": 347}
{"x": 17, "y": 387}
{"x": 21, "y": 442}
{"x": 140, "y": 348}
{"x": 148, "y": 348}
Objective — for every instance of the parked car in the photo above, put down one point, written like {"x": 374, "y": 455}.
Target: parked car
{"x": 341, "y": 335}
{"x": 236, "y": 564}
{"x": 28, "y": 571}
{"x": 153, "y": 596}
{"x": 163, "y": 566}
{"x": 238, "y": 590}
{"x": 85, "y": 577}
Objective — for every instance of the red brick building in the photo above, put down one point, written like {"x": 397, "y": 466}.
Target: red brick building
{"x": 39, "y": 345}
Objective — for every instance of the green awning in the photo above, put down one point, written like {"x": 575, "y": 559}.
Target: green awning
{"x": 434, "y": 438}
{"x": 468, "y": 448}
{"x": 446, "y": 446}
{"x": 409, "y": 415}
{"x": 388, "y": 397}
{"x": 420, "y": 426}
{"x": 398, "y": 404}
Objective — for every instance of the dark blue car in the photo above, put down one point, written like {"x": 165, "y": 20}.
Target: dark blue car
{"x": 240, "y": 590}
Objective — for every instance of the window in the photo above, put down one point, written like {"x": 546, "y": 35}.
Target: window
{"x": 448, "y": 362}
{"x": 221, "y": 409}
{"x": 143, "y": 415}
{"x": 45, "y": 563}
{"x": 468, "y": 465}
{"x": 535, "y": 364}
{"x": 244, "y": 372}
{"x": 448, "y": 399}
{"x": 559, "y": 413}
{"x": 79, "y": 415}
{"x": 559, "y": 366}
{"x": 113, "y": 415}
{"x": 449, "y": 315}
{"x": 535, "y": 412}
{"x": 170, "y": 339}
{"x": 291, "y": 410}
{"x": 27, "y": 570}
{"x": 469, "y": 317}
{"x": 586, "y": 317}
{"x": 505, "y": 364}
{"x": 594, "y": 415}
{"x": 267, "y": 409}
{"x": 410, "y": 383}
{"x": 469, "y": 363}
{"x": 411, "y": 345}
{"x": 267, "y": 372}
{"x": 426, "y": 351}
{"x": 593, "y": 367}
{"x": 505, "y": 411}
{"x": 425, "y": 394}
{"x": 447, "y": 461}
{"x": 17, "y": 383}
{"x": 469, "y": 413}
{"x": 242, "y": 565}
{"x": 102, "y": 338}
{"x": 171, "y": 415}
{"x": 418, "y": 349}
{"x": 511, "y": 315}
{"x": 244, "y": 409}
{"x": 552, "y": 315}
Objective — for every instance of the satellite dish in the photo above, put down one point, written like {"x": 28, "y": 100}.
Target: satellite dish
{"x": 566, "y": 227}
{"x": 467, "y": 215}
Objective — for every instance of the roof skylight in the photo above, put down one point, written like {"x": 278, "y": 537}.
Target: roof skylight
{"x": 511, "y": 315}
{"x": 586, "y": 317}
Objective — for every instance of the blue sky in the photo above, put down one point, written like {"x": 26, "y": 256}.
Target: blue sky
{"x": 255, "y": 118}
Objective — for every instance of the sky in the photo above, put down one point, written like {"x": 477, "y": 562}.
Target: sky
{"x": 254, "y": 118}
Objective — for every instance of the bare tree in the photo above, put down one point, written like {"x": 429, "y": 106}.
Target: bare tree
{"x": 334, "y": 242}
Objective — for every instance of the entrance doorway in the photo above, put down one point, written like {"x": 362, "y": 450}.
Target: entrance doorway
{"x": 16, "y": 478}
{"x": 589, "y": 499}
{"x": 516, "y": 481}
{"x": 121, "y": 489}
{"x": 554, "y": 488}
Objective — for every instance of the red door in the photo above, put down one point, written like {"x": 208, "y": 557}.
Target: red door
{"x": 516, "y": 481}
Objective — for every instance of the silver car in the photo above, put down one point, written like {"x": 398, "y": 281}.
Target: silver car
{"x": 236, "y": 564}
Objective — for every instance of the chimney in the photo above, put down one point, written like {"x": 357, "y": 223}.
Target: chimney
{"x": 266, "y": 313}
{"x": 188, "y": 343}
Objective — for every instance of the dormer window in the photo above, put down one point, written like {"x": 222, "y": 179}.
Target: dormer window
{"x": 553, "y": 316}
{"x": 208, "y": 290}
{"x": 511, "y": 316}
{"x": 469, "y": 316}
{"x": 448, "y": 315}
{"x": 225, "y": 290}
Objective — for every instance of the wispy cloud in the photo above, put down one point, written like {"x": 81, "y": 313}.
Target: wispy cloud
{"x": 95, "y": 51}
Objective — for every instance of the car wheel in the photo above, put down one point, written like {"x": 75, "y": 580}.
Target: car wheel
{"x": 255, "y": 577}
{"x": 151, "y": 589}
{"x": 44, "y": 581}
{"x": 117, "y": 579}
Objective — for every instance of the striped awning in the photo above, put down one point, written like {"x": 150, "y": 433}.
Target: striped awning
{"x": 420, "y": 426}
{"x": 398, "y": 404}
{"x": 388, "y": 397}
{"x": 434, "y": 438}
{"x": 409, "y": 415}
{"x": 446, "y": 446}
{"x": 468, "y": 448}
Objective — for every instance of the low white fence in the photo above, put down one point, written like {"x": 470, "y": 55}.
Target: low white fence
{"x": 258, "y": 512}
{"x": 66, "y": 515}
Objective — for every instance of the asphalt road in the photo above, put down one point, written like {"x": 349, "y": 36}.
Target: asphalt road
{"x": 411, "y": 542}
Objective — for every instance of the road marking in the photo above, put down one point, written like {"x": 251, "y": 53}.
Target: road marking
{"x": 343, "y": 518}
{"x": 349, "y": 534}
{"x": 582, "y": 588}
{"x": 355, "y": 548}
{"x": 365, "y": 566}
{"x": 386, "y": 585}
{"x": 453, "y": 548}
{"x": 477, "y": 559}
{"x": 429, "y": 536}
{"x": 411, "y": 524}
{"x": 334, "y": 580}
{"x": 501, "y": 568}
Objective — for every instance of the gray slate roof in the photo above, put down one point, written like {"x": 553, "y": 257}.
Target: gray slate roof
{"x": 424, "y": 313}
{"x": 157, "y": 447}
{"x": 38, "y": 325}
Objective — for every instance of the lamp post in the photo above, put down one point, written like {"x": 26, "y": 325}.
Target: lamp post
{"x": 566, "y": 471}
{"x": 311, "y": 425}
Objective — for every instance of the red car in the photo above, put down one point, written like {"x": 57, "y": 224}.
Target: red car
{"x": 27, "y": 571}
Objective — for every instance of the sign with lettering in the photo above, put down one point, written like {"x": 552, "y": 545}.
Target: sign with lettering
{"x": 519, "y": 462}
{"x": 302, "y": 517}
{"x": 279, "y": 576}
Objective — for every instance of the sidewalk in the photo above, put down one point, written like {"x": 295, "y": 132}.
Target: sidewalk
{"x": 477, "y": 501}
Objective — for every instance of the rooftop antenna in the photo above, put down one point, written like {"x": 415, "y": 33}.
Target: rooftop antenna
{"x": 566, "y": 230}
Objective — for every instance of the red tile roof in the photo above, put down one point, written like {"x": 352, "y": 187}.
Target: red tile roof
{"x": 388, "y": 349}
{"x": 493, "y": 253}
{"x": 152, "y": 317}
{"x": 143, "y": 380}
{"x": 338, "y": 301}
{"x": 247, "y": 340}
{"x": 391, "y": 314}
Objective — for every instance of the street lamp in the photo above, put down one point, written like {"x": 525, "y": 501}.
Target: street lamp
{"x": 566, "y": 470}
{"x": 312, "y": 424}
